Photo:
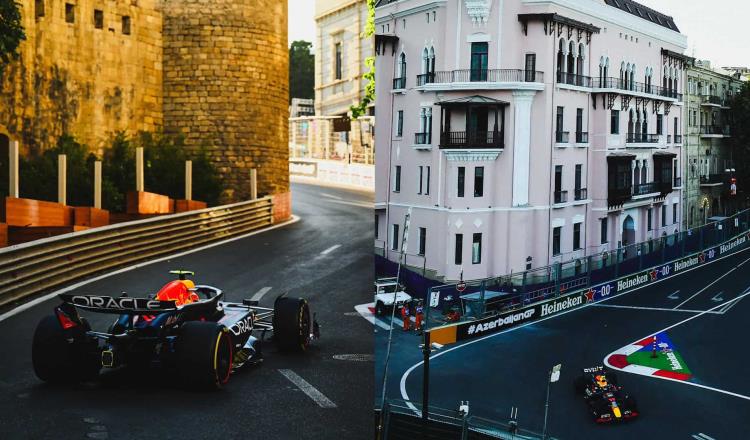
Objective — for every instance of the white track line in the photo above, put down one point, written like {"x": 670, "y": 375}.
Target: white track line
{"x": 673, "y": 326}
{"x": 259, "y": 294}
{"x": 331, "y": 196}
{"x": 402, "y": 384}
{"x": 702, "y": 436}
{"x": 311, "y": 391}
{"x": 44, "y": 298}
{"x": 330, "y": 249}
{"x": 357, "y": 204}
{"x": 364, "y": 310}
{"x": 658, "y": 309}
{"x": 712, "y": 283}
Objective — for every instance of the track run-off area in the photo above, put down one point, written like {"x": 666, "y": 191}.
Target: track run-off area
{"x": 697, "y": 387}
{"x": 325, "y": 256}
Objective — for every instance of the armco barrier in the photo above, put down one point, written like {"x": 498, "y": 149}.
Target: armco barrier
{"x": 466, "y": 330}
{"x": 37, "y": 266}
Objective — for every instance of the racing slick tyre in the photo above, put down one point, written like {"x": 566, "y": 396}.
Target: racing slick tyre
{"x": 57, "y": 360}
{"x": 380, "y": 308}
{"x": 204, "y": 355}
{"x": 292, "y": 324}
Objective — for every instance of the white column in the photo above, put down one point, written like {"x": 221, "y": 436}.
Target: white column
{"x": 13, "y": 187}
{"x": 522, "y": 101}
{"x": 62, "y": 169}
{"x": 253, "y": 184}
{"x": 188, "y": 180}
{"x": 98, "y": 184}
{"x": 139, "y": 169}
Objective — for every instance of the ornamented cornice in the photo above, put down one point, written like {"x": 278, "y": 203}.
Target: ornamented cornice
{"x": 479, "y": 11}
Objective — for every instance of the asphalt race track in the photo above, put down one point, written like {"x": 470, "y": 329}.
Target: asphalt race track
{"x": 325, "y": 257}
{"x": 510, "y": 369}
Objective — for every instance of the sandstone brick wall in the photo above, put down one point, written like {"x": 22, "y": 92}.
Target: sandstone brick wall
{"x": 226, "y": 87}
{"x": 74, "y": 78}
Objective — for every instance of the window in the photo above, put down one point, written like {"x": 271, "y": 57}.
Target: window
{"x": 576, "y": 236}
{"x": 70, "y": 13}
{"x": 530, "y": 67}
{"x": 556, "y": 240}
{"x": 558, "y": 178}
{"x": 579, "y": 122}
{"x": 615, "y": 122}
{"x": 422, "y": 240}
{"x": 650, "y": 220}
{"x": 421, "y": 171}
{"x": 478, "y": 181}
{"x": 459, "y": 249}
{"x": 659, "y": 124}
{"x": 394, "y": 237}
{"x": 427, "y": 185}
{"x": 578, "y": 177}
{"x": 397, "y": 179}
{"x": 479, "y": 59}
{"x": 461, "y": 180}
{"x": 400, "y": 124}
{"x": 559, "y": 125}
{"x": 39, "y": 8}
{"x": 674, "y": 213}
{"x": 126, "y": 25}
{"x": 603, "y": 226}
{"x": 339, "y": 60}
{"x": 476, "y": 249}
{"x": 377, "y": 226}
{"x": 98, "y": 19}
{"x": 664, "y": 215}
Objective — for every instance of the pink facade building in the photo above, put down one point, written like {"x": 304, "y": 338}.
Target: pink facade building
{"x": 525, "y": 132}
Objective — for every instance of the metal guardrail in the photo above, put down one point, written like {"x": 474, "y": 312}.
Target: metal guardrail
{"x": 37, "y": 266}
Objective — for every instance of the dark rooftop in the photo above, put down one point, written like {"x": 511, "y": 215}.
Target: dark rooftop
{"x": 644, "y": 12}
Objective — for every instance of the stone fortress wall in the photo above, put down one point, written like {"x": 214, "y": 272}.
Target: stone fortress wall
{"x": 215, "y": 71}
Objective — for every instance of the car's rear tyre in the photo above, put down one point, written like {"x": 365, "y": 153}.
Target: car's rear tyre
{"x": 379, "y": 308}
{"x": 57, "y": 360}
{"x": 204, "y": 355}
{"x": 292, "y": 324}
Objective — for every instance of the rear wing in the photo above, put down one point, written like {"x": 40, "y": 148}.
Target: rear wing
{"x": 123, "y": 305}
{"x": 596, "y": 369}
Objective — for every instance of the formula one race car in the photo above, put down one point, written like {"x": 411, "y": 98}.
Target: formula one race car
{"x": 605, "y": 399}
{"x": 184, "y": 327}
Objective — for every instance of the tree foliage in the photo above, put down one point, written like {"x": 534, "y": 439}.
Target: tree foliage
{"x": 301, "y": 70}
{"x": 361, "y": 108}
{"x": 11, "y": 31}
{"x": 740, "y": 140}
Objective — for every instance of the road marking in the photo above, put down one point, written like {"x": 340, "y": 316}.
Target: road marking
{"x": 331, "y": 196}
{"x": 717, "y": 297}
{"x": 657, "y": 309}
{"x": 54, "y": 294}
{"x": 330, "y": 249}
{"x": 402, "y": 383}
{"x": 730, "y": 393}
{"x": 259, "y": 294}
{"x": 731, "y": 303}
{"x": 311, "y": 391}
{"x": 711, "y": 284}
{"x": 675, "y": 295}
{"x": 702, "y": 436}
{"x": 357, "y": 204}
{"x": 364, "y": 310}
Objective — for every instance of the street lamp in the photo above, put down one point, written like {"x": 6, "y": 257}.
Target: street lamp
{"x": 427, "y": 348}
{"x": 554, "y": 376}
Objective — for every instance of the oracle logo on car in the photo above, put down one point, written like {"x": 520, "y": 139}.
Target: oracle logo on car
{"x": 243, "y": 326}
{"x": 107, "y": 302}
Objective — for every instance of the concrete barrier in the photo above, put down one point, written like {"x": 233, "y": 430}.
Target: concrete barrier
{"x": 333, "y": 172}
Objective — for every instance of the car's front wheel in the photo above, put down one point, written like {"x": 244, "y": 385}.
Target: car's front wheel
{"x": 380, "y": 308}
{"x": 292, "y": 324}
{"x": 204, "y": 354}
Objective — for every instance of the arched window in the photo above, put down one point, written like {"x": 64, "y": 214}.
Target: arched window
{"x": 579, "y": 65}
{"x": 432, "y": 61}
{"x": 571, "y": 58}
{"x": 601, "y": 71}
{"x": 630, "y": 123}
{"x": 645, "y": 124}
{"x": 622, "y": 75}
{"x": 425, "y": 61}
{"x": 560, "y": 60}
{"x": 402, "y": 65}
{"x": 637, "y": 131}
{"x": 631, "y": 82}
{"x": 606, "y": 69}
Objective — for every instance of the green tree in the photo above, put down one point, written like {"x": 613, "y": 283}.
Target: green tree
{"x": 11, "y": 31}
{"x": 361, "y": 108}
{"x": 740, "y": 140}
{"x": 301, "y": 71}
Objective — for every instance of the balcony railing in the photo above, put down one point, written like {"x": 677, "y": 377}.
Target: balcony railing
{"x": 425, "y": 78}
{"x": 677, "y": 182}
{"x": 488, "y": 75}
{"x": 573, "y": 79}
{"x": 678, "y": 139}
{"x": 713, "y": 179}
{"x": 633, "y": 86}
{"x": 715, "y": 129}
{"x": 562, "y": 137}
{"x": 561, "y": 197}
{"x": 642, "y": 138}
{"x": 645, "y": 188}
{"x": 618, "y": 196}
{"x": 399, "y": 83}
{"x": 582, "y": 137}
{"x": 581, "y": 194}
{"x": 472, "y": 139}
{"x": 423, "y": 138}
{"x": 711, "y": 99}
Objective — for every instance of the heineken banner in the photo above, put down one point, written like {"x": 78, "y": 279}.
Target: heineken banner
{"x": 477, "y": 328}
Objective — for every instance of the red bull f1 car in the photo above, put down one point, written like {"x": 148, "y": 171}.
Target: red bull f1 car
{"x": 184, "y": 327}
{"x": 606, "y": 401}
